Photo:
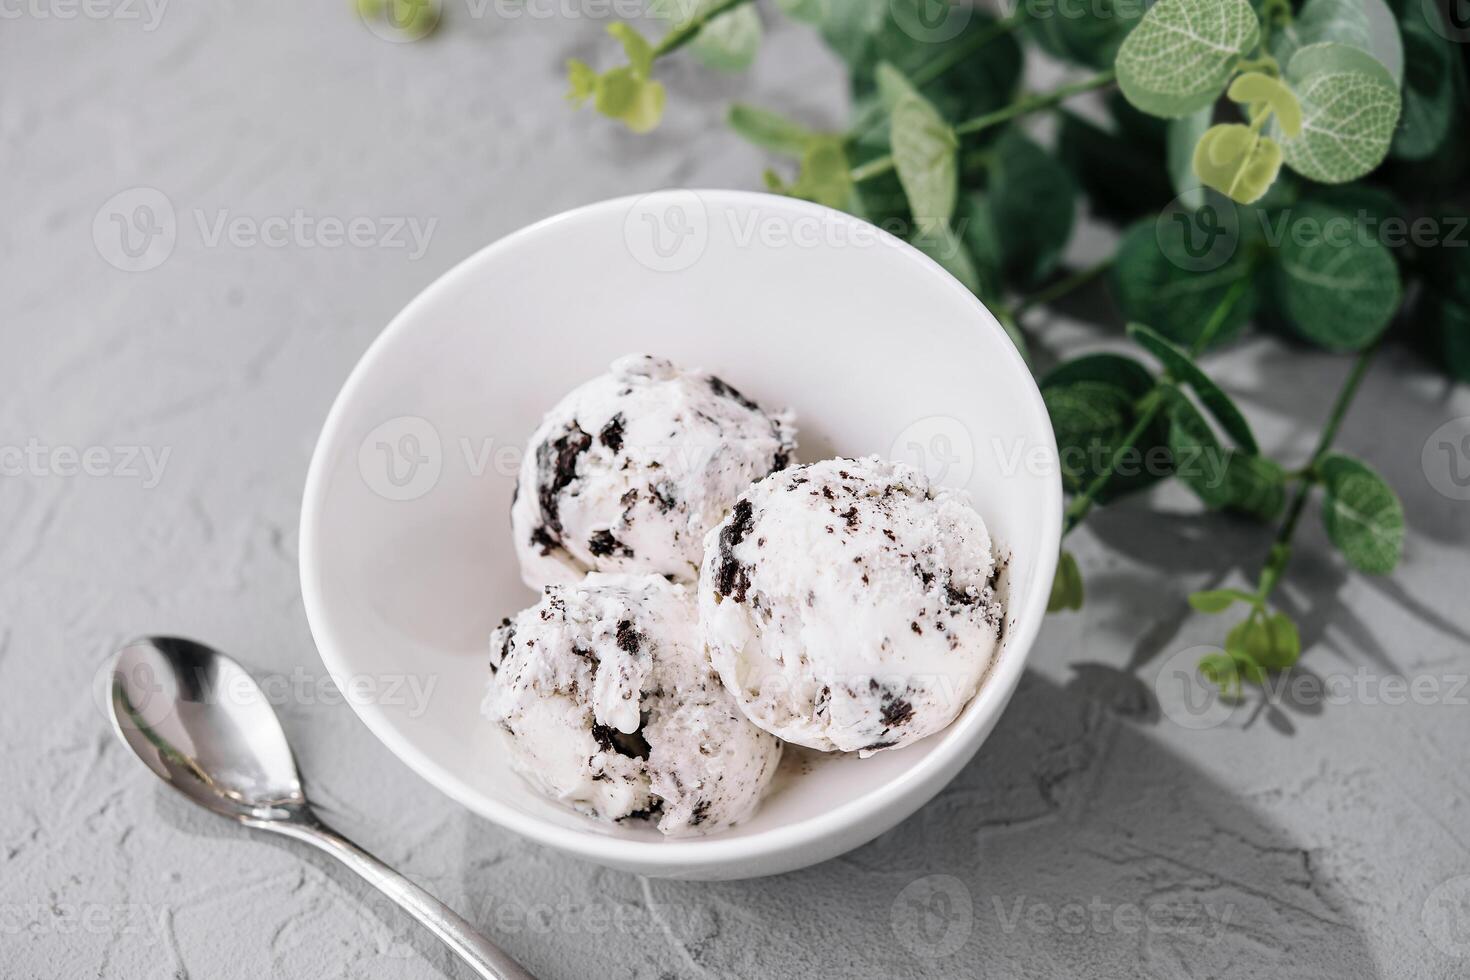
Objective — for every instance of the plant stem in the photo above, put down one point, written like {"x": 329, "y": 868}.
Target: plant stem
{"x": 947, "y": 60}
{"x": 1062, "y": 287}
{"x": 683, "y": 33}
{"x": 1031, "y": 103}
{"x": 1280, "y": 552}
{"x": 1151, "y": 402}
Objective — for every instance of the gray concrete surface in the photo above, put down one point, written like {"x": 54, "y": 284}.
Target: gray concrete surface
{"x": 1094, "y": 836}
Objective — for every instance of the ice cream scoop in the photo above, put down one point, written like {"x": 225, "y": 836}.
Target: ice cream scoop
{"x": 629, "y": 471}
{"x": 848, "y": 604}
{"x": 608, "y": 705}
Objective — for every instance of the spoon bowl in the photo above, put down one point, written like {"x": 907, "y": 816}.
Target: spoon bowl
{"x": 203, "y": 725}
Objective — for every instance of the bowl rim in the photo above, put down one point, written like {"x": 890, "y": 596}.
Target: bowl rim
{"x": 957, "y": 742}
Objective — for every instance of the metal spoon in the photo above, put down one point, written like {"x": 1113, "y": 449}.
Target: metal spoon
{"x": 203, "y": 725}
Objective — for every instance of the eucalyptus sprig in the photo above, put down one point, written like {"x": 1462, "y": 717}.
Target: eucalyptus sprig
{"x": 1364, "y": 519}
{"x": 1234, "y": 135}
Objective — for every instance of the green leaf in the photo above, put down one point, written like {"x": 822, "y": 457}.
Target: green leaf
{"x": 1450, "y": 322}
{"x": 923, "y": 150}
{"x": 1349, "y": 22}
{"x": 1263, "y": 93}
{"x": 1363, "y": 515}
{"x": 1338, "y": 284}
{"x": 1089, "y": 420}
{"x": 1183, "y": 369}
{"x": 1115, "y": 370}
{"x": 849, "y": 28}
{"x": 825, "y": 176}
{"x": 1246, "y": 667}
{"x": 945, "y": 247}
{"x": 1429, "y": 86}
{"x": 727, "y": 43}
{"x": 1350, "y": 106}
{"x": 770, "y": 130}
{"x": 1066, "y": 587}
{"x": 1255, "y": 486}
{"x": 1179, "y": 57}
{"x": 1032, "y": 204}
{"x": 806, "y": 11}
{"x": 1183, "y": 135}
{"x": 1094, "y": 401}
{"x": 635, "y": 46}
{"x": 914, "y": 35}
{"x": 1268, "y": 641}
{"x": 975, "y": 221}
{"x": 1121, "y": 179}
{"x": 1221, "y": 670}
{"x": 582, "y": 81}
{"x": 625, "y": 93}
{"x": 1085, "y": 32}
{"x": 410, "y": 20}
{"x": 637, "y": 102}
{"x": 1214, "y": 601}
{"x": 1237, "y": 161}
{"x": 1172, "y": 276}
{"x": 1199, "y": 459}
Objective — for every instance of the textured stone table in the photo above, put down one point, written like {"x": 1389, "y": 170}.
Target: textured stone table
{"x": 1093, "y": 836}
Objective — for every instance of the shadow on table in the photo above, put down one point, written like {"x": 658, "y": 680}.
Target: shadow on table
{"x": 1075, "y": 844}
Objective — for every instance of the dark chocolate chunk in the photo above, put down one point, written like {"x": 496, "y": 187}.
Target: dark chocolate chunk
{"x": 556, "y": 466}
{"x": 665, "y": 494}
{"x": 732, "y": 578}
{"x": 629, "y": 639}
{"x": 603, "y": 545}
{"x": 633, "y": 746}
{"x": 725, "y": 391}
{"x": 611, "y": 435}
{"x": 896, "y": 712}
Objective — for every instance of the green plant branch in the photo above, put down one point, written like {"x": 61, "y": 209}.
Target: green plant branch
{"x": 1150, "y": 404}
{"x": 1061, "y": 287}
{"x": 948, "y": 60}
{"x": 683, "y": 33}
{"x": 1280, "y": 553}
{"x": 1027, "y": 104}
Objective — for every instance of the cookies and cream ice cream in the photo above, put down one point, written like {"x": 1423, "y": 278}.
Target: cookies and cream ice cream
{"x": 848, "y": 604}
{"x": 630, "y": 470}
{"x": 609, "y": 706}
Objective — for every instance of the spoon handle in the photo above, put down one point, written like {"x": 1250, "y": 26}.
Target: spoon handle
{"x": 483, "y": 956}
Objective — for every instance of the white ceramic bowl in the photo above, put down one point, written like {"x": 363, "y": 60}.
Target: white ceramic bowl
{"x": 406, "y": 559}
